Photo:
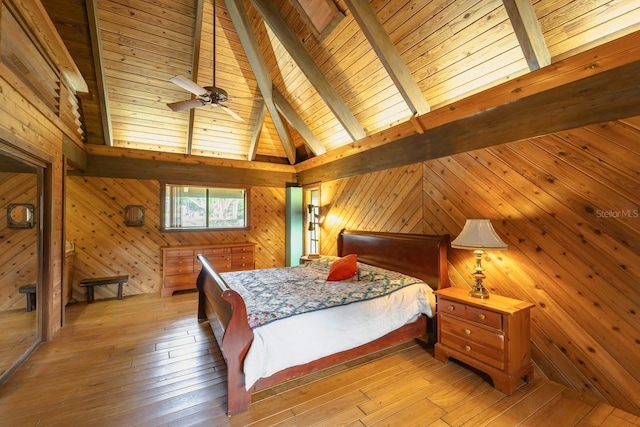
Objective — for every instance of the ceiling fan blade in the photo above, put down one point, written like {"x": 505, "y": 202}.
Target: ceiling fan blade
{"x": 231, "y": 112}
{"x": 252, "y": 98}
{"x": 187, "y": 84}
{"x": 186, "y": 105}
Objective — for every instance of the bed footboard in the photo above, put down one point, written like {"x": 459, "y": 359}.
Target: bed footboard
{"x": 226, "y": 312}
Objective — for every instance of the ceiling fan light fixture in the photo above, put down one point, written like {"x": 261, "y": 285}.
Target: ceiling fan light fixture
{"x": 205, "y": 95}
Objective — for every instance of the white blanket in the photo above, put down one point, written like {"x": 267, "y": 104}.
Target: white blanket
{"x": 302, "y": 338}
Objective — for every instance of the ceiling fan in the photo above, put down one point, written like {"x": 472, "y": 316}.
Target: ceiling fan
{"x": 209, "y": 95}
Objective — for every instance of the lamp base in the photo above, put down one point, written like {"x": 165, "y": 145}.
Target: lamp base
{"x": 478, "y": 290}
{"x": 479, "y": 293}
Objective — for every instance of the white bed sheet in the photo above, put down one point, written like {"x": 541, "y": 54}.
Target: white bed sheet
{"x": 306, "y": 337}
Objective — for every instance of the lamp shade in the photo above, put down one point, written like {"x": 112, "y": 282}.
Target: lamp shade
{"x": 478, "y": 234}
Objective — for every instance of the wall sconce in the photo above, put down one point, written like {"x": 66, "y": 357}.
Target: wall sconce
{"x": 312, "y": 228}
{"x": 134, "y": 215}
{"x": 20, "y": 215}
{"x": 478, "y": 235}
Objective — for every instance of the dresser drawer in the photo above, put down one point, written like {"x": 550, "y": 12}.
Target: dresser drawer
{"x": 475, "y": 314}
{"x": 208, "y": 252}
{"x": 175, "y": 266}
{"x": 183, "y": 281}
{"x": 242, "y": 249}
{"x": 220, "y": 263}
{"x": 472, "y": 332}
{"x": 177, "y": 253}
{"x": 242, "y": 261}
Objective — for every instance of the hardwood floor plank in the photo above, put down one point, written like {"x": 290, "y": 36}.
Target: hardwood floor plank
{"x": 161, "y": 367}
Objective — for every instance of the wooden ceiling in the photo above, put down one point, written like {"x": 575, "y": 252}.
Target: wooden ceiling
{"x": 374, "y": 66}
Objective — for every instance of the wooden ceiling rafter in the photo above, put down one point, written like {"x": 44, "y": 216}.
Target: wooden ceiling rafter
{"x": 370, "y": 25}
{"x": 527, "y": 29}
{"x": 96, "y": 46}
{"x": 297, "y": 123}
{"x": 240, "y": 20}
{"x": 257, "y": 129}
{"x": 307, "y": 65}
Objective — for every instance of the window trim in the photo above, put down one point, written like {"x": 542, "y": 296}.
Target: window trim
{"x": 247, "y": 205}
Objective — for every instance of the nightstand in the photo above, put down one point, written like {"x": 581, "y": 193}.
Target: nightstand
{"x": 491, "y": 335}
{"x": 308, "y": 258}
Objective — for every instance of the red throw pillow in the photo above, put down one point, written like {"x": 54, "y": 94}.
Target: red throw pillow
{"x": 343, "y": 268}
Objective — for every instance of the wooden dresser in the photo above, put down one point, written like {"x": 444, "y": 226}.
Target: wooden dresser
{"x": 491, "y": 335}
{"x": 180, "y": 265}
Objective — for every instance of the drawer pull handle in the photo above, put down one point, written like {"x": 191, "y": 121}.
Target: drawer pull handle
{"x": 451, "y": 307}
{"x": 482, "y": 316}
{"x": 467, "y": 347}
{"x": 467, "y": 332}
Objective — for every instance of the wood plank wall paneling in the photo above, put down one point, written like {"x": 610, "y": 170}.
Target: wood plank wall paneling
{"x": 568, "y": 206}
{"x": 41, "y": 140}
{"x": 105, "y": 246}
{"x": 389, "y": 200}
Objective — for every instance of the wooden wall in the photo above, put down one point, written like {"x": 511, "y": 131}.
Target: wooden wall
{"x": 105, "y": 246}
{"x": 18, "y": 256}
{"x": 34, "y": 128}
{"x": 568, "y": 206}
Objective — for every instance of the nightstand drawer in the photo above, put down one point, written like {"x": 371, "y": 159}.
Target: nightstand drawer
{"x": 470, "y": 332}
{"x": 491, "y": 356}
{"x": 475, "y": 314}
{"x": 452, "y": 307}
{"x": 486, "y": 317}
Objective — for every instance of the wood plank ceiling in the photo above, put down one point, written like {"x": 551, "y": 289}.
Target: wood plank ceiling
{"x": 375, "y": 65}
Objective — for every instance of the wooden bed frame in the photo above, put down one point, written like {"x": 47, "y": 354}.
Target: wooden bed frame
{"x": 421, "y": 256}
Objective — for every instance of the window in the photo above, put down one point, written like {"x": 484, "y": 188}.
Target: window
{"x": 196, "y": 207}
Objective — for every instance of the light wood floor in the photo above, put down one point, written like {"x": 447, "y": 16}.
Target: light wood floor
{"x": 146, "y": 360}
{"x": 17, "y": 335}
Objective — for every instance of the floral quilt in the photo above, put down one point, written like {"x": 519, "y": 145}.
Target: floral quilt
{"x": 277, "y": 293}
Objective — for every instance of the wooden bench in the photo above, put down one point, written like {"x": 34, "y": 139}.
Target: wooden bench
{"x": 30, "y": 293}
{"x": 99, "y": 281}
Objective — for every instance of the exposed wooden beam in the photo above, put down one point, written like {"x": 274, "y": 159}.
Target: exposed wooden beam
{"x": 257, "y": 129}
{"x": 96, "y": 46}
{"x": 75, "y": 155}
{"x": 238, "y": 15}
{"x": 606, "y": 96}
{"x": 601, "y": 58}
{"x": 527, "y": 28}
{"x": 366, "y": 18}
{"x": 188, "y": 159}
{"x": 124, "y": 167}
{"x": 297, "y": 123}
{"x": 306, "y": 63}
{"x": 197, "y": 47}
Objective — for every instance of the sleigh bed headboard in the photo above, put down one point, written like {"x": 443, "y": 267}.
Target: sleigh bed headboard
{"x": 417, "y": 255}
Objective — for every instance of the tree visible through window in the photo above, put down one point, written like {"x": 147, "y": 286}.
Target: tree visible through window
{"x": 199, "y": 207}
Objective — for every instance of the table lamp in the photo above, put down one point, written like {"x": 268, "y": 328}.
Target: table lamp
{"x": 478, "y": 235}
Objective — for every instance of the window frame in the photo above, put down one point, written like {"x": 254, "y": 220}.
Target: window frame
{"x": 163, "y": 194}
